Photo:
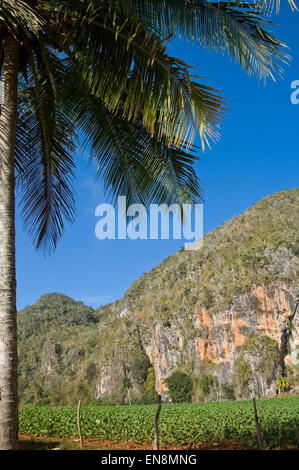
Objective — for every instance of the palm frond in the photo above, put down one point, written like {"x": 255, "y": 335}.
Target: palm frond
{"x": 268, "y": 6}
{"x": 138, "y": 108}
{"x": 237, "y": 28}
{"x": 130, "y": 161}
{"x": 19, "y": 15}
{"x": 130, "y": 71}
{"x": 44, "y": 153}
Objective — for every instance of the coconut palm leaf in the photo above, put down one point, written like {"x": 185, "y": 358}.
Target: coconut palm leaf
{"x": 269, "y": 5}
{"x": 237, "y": 28}
{"x": 133, "y": 163}
{"x": 137, "y": 107}
{"x": 19, "y": 15}
{"x": 44, "y": 152}
{"x": 130, "y": 161}
{"x": 130, "y": 71}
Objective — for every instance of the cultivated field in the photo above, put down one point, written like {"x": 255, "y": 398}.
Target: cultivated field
{"x": 184, "y": 425}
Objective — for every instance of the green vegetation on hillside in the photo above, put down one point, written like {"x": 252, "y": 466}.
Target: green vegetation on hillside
{"x": 180, "y": 387}
{"x": 260, "y": 355}
{"x": 256, "y": 247}
{"x": 70, "y": 351}
{"x": 56, "y": 366}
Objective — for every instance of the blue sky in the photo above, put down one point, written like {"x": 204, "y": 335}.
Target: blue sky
{"x": 256, "y": 156}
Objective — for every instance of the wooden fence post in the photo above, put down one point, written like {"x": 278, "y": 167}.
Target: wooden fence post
{"x": 79, "y": 424}
{"x": 156, "y": 429}
{"x": 257, "y": 427}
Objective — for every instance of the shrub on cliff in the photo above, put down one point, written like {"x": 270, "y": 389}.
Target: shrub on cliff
{"x": 149, "y": 384}
{"x": 258, "y": 362}
{"x": 206, "y": 383}
{"x": 180, "y": 387}
{"x": 227, "y": 391}
{"x": 149, "y": 397}
{"x": 139, "y": 368}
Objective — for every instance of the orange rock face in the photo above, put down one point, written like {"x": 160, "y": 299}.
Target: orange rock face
{"x": 262, "y": 311}
{"x": 217, "y": 336}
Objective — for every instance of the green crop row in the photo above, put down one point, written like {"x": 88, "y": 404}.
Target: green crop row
{"x": 183, "y": 425}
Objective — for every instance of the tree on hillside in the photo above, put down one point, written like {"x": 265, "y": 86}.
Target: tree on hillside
{"x": 127, "y": 384}
{"x": 100, "y": 69}
{"x": 180, "y": 387}
{"x": 282, "y": 385}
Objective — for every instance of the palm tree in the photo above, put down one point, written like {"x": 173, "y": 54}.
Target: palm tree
{"x": 127, "y": 385}
{"x": 100, "y": 69}
{"x": 282, "y": 384}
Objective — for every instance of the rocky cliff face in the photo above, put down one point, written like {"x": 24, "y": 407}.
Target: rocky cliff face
{"x": 219, "y": 338}
{"x": 203, "y": 306}
{"x": 225, "y": 311}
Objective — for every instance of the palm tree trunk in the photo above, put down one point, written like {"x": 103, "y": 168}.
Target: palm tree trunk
{"x": 8, "y": 315}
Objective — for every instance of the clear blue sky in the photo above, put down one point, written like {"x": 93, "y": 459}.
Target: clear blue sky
{"x": 256, "y": 156}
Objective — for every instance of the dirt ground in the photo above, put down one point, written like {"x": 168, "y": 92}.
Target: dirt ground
{"x": 28, "y": 442}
